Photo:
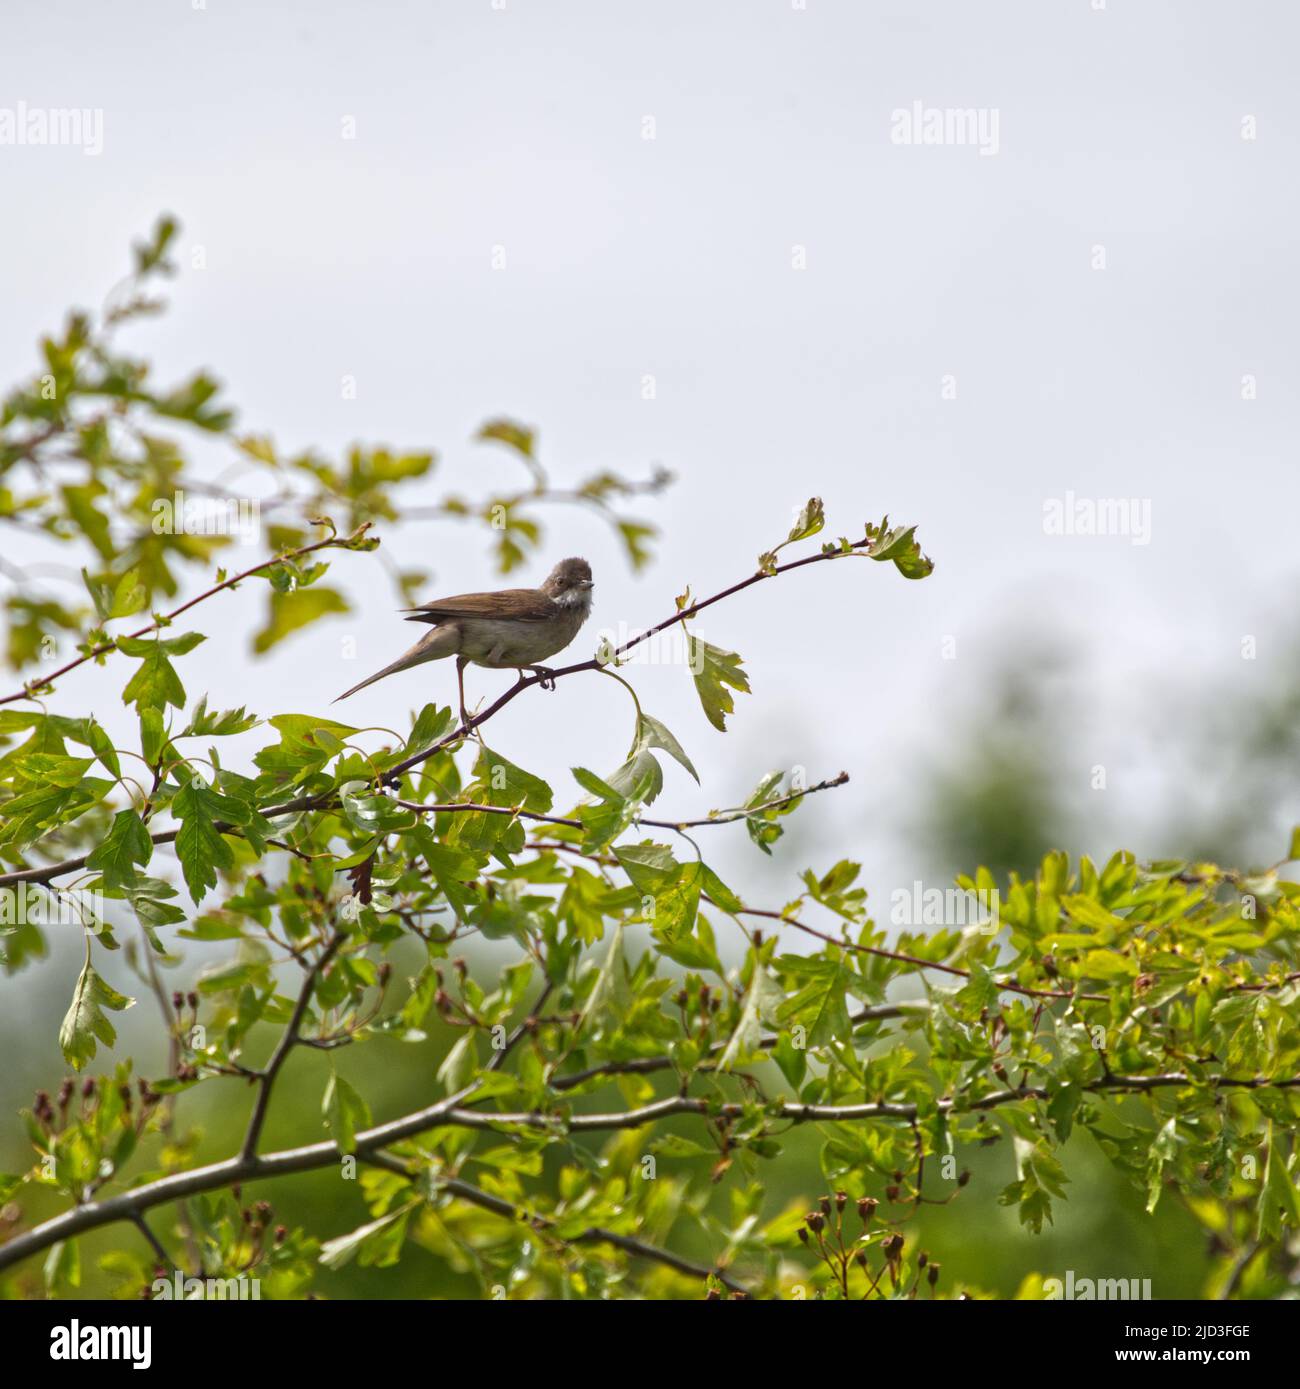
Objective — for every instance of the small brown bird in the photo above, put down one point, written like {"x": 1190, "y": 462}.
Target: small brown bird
{"x": 514, "y": 628}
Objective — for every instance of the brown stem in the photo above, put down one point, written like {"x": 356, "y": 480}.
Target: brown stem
{"x": 104, "y": 648}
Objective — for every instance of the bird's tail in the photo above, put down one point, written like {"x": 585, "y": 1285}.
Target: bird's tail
{"x": 441, "y": 642}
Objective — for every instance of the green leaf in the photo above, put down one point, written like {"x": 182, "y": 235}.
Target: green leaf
{"x": 1279, "y": 1201}
{"x": 376, "y": 1245}
{"x": 130, "y": 596}
{"x": 674, "y": 1145}
{"x": 372, "y": 813}
{"x": 517, "y": 436}
{"x": 199, "y": 844}
{"x": 811, "y": 518}
{"x": 173, "y": 646}
{"x": 205, "y": 723}
{"x": 676, "y": 904}
{"x": 62, "y": 1268}
{"x": 85, "y": 1020}
{"x": 1164, "y": 1149}
{"x": 102, "y": 746}
{"x": 289, "y": 612}
{"x": 344, "y": 1112}
{"x": 651, "y": 867}
{"x": 792, "y": 1060}
{"x": 502, "y": 783}
{"x": 900, "y": 546}
{"x": 430, "y": 724}
{"x": 819, "y": 1003}
{"x": 153, "y": 736}
{"x": 809, "y": 521}
{"x": 610, "y": 998}
{"x": 658, "y": 735}
{"x": 634, "y": 536}
{"x": 591, "y": 783}
{"x": 458, "y": 1065}
{"x": 128, "y": 843}
{"x": 715, "y": 670}
{"x": 761, "y": 824}
{"x": 155, "y": 683}
{"x": 33, "y": 813}
{"x": 1106, "y": 964}
{"x": 54, "y": 769}
{"x": 763, "y": 999}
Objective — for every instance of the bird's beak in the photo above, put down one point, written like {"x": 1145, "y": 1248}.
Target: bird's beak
{"x": 586, "y": 583}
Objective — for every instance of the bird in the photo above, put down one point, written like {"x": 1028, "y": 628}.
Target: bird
{"x": 512, "y": 628}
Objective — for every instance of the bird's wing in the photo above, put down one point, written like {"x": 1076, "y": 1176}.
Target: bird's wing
{"x": 519, "y": 604}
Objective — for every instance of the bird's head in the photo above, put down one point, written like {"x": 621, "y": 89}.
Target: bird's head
{"x": 570, "y": 583}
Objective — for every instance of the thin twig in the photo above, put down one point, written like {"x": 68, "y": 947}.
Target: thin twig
{"x": 143, "y": 1225}
{"x": 288, "y": 1040}
{"x": 327, "y": 800}
{"x": 594, "y": 1234}
{"x": 726, "y": 817}
{"x": 104, "y": 648}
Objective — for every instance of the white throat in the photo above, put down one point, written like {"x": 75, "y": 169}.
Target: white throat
{"x": 575, "y": 600}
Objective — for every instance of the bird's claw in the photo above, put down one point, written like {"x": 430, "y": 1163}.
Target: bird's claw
{"x": 547, "y": 677}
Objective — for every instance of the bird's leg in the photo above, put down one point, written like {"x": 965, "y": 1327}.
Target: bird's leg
{"x": 460, "y": 681}
{"x": 546, "y": 674}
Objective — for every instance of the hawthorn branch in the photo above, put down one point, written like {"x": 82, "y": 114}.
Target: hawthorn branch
{"x": 288, "y": 1040}
{"x": 648, "y": 1065}
{"x": 72, "y": 865}
{"x": 451, "y": 1112}
{"x": 393, "y": 776}
{"x": 105, "y": 648}
{"x": 725, "y": 817}
{"x": 594, "y": 1234}
{"x": 904, "y": 958}
{"x": 327, "y": 801}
